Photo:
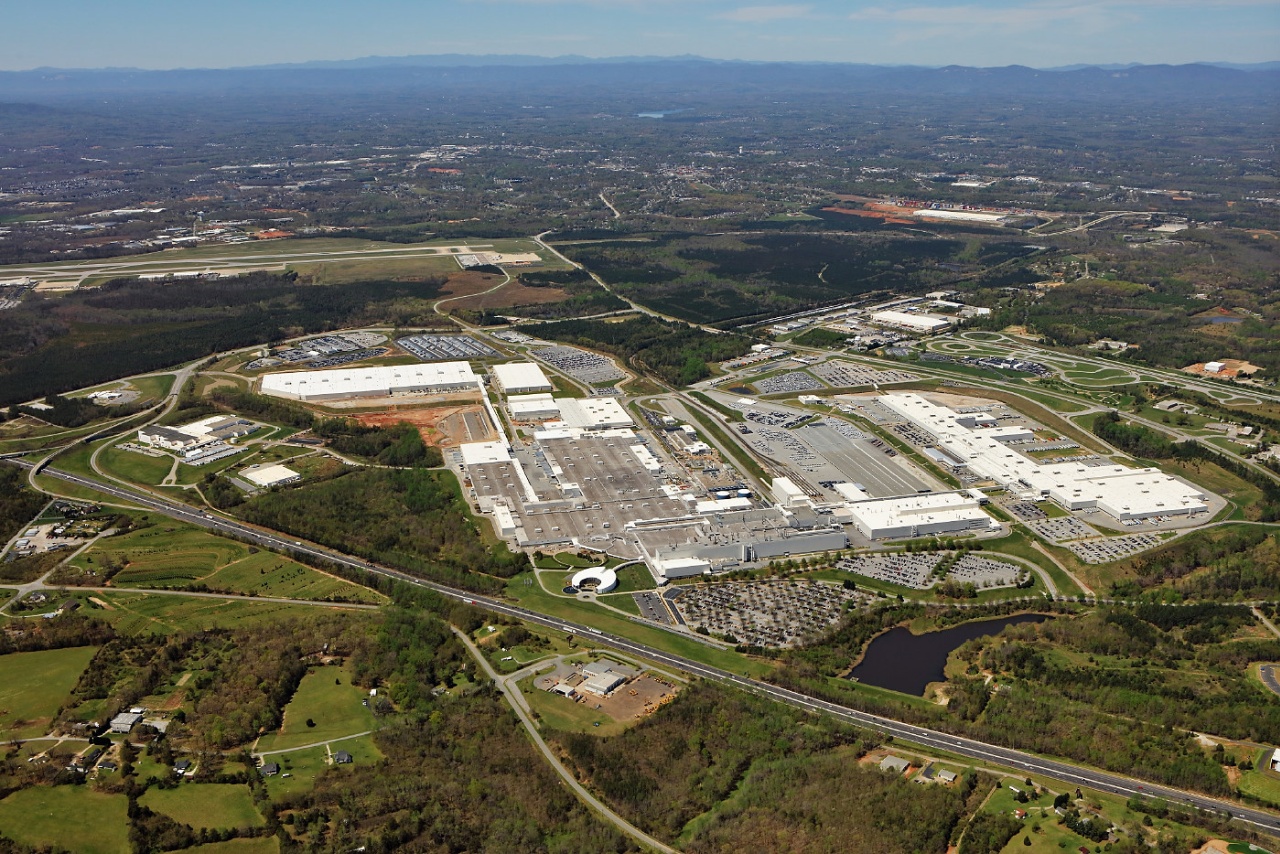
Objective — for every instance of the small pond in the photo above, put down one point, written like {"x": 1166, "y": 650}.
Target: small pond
{"x": 901, "y": 661}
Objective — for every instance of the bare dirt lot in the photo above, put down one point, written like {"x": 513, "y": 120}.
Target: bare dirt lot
{"x": 637, "y": 698}
{"x": 442, "y": 426}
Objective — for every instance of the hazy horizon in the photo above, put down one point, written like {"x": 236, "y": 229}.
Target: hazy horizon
{"x": 131, "y": 34}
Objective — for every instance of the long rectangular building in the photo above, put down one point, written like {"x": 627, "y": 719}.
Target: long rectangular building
{"x": 919, "y": 515}
{"x": 1122, "y": 492}
{"x": 925, "y": 323}
{"x": 372, "y": 381}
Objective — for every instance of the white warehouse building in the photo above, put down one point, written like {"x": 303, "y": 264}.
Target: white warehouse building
{"x": 920, "y": 516}
{"x": 520, "y": 378}
{"x": 924, "y": 323}
{"x": 1124, "y": 493}
{"x": 372, "y": 381}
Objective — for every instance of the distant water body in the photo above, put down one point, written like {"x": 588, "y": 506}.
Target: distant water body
{"x": 660, "y": 114}
{"x": 901, "y": 661}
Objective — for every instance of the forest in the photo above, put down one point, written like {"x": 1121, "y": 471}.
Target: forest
{"x": 129, "y": 327}
{"x": 766, "y": 776}
{"x": 1126, "y": 716}
{"x": 412, "y": 519}
{"x": 676, "y": 353}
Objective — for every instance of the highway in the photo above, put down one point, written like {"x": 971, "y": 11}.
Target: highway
{"x": 1021, "y": 762}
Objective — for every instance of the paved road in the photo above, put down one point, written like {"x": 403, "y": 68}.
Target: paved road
{"x": 1022, "y": 761}
{"x": 326, "y": 742}
{"x": 512, "y": 694}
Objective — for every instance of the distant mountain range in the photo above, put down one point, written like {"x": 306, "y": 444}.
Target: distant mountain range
{"x": 679, "y": 74}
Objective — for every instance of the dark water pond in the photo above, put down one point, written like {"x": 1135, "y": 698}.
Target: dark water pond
{"x": 1225, "y": 320}
{"x": 901, "y": 661}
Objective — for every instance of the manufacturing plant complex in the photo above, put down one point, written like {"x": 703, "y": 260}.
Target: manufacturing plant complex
{"x": 1124, "y": 493}
{"x": 581, "y": 473}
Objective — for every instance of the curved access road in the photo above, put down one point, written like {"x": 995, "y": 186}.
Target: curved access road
{"x": 1023, "y": 762}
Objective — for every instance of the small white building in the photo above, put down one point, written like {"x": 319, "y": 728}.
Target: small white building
{"x": 1214, "y": 367}
{"x": 532, "y": 407}
{"x": 680, "y": 567}
{"x": 269, "y": 476}
{"x": 787, "y": 494}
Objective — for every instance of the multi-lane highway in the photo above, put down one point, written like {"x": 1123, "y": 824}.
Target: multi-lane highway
{"x": 1021, "y": 762}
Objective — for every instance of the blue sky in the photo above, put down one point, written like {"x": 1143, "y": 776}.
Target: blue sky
{"x": 1041, "y": 33}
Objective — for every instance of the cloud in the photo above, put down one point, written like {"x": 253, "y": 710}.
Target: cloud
{"x": 765, "y": 14}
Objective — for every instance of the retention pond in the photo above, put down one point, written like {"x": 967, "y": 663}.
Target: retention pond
{"x": 906, "y": 662}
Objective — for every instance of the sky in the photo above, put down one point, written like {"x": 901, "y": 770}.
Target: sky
{"x": 1039, "y": 33}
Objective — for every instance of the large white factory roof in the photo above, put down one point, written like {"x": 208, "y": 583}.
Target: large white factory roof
{"x": 915, "y": 322}
{"x": 269, "y": 476}
{"x": 368, "y": 381}
{"x": 593, "y": 413}
{"x": 1124, "y": 493}
{"x": 520, "y": 377}
{"x": 531, "y": 406}
{"x": 480, "y": 453}
{"x": 943, "y": 511}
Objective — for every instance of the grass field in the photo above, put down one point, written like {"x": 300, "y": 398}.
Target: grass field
{"x": 346, "y": 272}
{"x": 174, "y": 555}
{"x": 33, "y": 685}
{"x": 70, "y": 818}
{"x": 212, "y": 805}
{"x": 141, "y": 612}
{"x": 1263, "y": 785}
{"x": 133, "y": 466}
{"x": 304, "y": 766}
{"x": 327, "y": 700}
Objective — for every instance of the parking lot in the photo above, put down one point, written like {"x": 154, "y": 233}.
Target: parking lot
{"x": 1063, "y": 530}
{"x": 583, "y": 365}
{"x": 443, "y": 348}
{"x": 906, "y": 570}
{"x": 793, "y": 381}
{"x": 1107, "y": 549}
{"x": 766, "y": 613}
{"x": 916, "y": 570}
{"x": 839, "y": 374}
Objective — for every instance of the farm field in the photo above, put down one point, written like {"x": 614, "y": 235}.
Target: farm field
{"x": 215, "y": 806}
{"x": 33, "y": 686}
{"x": 70, "y": 818}
{"x": 326, "y": 706}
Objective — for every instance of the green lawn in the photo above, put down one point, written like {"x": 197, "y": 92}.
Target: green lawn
{"x": 330, "y": 703}
{"x": 141, "y": 612}
{"x": 173, "y": 555}
{"x": 72, "y": 818}
{"x": 1263, "y": 785}
{"x": 134, "y": 466}
{"x": 212, "y": 805}
{"x": 303, "y": 766}
{"x": 33, "y": 685}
